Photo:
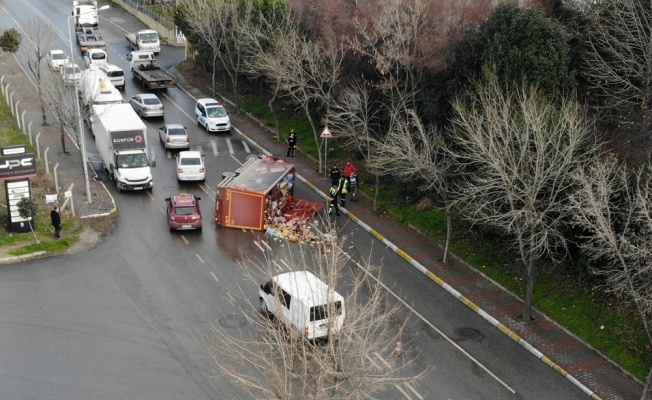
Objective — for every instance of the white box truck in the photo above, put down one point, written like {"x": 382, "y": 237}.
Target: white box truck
{"x": 121, "y": 140}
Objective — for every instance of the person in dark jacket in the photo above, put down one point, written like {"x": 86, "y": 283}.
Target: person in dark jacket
{"x": 292, "y": 143}
{"x": 56, "y": 221}
{"x": 335, "y": 175}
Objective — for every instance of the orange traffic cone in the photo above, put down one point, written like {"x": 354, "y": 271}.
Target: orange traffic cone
{"x": 398, "y": 351}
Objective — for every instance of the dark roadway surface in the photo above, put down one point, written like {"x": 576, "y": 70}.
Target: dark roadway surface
{"x": 565, "y": 354}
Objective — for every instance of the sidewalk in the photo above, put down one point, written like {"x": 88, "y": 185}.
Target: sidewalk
{"x": 562, "y": 351}
{"x": 22, "y": 94}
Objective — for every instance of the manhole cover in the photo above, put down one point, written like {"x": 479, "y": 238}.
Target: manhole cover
{"x": 469, "y": 334}
{"x": 233, "y": 321}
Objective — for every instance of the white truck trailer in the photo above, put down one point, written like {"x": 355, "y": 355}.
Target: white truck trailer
{"x": 121, "y": 140}
{"x": 95, "y": 88}
{"x": 85, "y": 12}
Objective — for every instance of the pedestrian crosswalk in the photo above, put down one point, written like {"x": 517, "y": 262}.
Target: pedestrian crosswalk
{"x": 226, "y": 146}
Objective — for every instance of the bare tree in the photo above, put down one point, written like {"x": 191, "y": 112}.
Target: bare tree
{"x": 61, "y": 98}
{"x": 224, "y": 25}
{"x": 418, "y": 154}
{"x": 618, "y": 53}
{"x": 274, "y": 362}
{"x": 304, "y": 69}
{"x": 518, "y": 149}
{"x": 39, "y": 42}
{"x": 614, "y": 207}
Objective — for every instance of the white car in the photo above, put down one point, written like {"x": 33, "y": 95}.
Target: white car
{"x": 190, "y": 166}
{"x": 147, "y": 105}
{"x": 56, "y": 59}
{"x": 70, "y": 73}
{"x": 95, "y": 57}
{"x": 211, "y": 114}
{"x": 115, "y": 75}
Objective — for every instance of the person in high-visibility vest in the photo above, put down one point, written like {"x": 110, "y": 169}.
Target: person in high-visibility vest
{"x": 343, "y": 186}
{"x": 334, "y": 192}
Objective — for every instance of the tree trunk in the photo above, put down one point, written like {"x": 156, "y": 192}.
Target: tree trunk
{"x": 315, "y": 134}
{"x": 270, "y": 104}
{"x": 63, "y": 140}
{"x": 213, "y": 75}
{"x": 529, "y": 288}
{"x": 376, "y": 190}
{"x": 449, "y": 233}
{"x": 647, "y": 391}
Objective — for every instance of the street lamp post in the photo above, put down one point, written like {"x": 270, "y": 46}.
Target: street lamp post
{"x": 82, "y": 140}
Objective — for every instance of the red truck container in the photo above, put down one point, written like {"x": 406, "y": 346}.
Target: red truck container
{"x": 259, "y": 192}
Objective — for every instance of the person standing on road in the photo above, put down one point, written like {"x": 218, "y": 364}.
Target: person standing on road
{"x": 349, "y": 169}
{"x": 353, "y": 185}
{"x": 335, "y": 175}
{"x": 56, "y": 221}
{"x": 334, "y": 192}
{"x": 292, "y": 143}
{"x": 343, "y": 186}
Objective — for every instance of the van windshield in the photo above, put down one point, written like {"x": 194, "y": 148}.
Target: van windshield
{"x": 319, "y": 313}
{"x": 215, "y": 112}
{"x": 132, "y": 161}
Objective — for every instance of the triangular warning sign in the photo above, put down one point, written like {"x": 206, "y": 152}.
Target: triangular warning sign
{"x": 326, "y": 133}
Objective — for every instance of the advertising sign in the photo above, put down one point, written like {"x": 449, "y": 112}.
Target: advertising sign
{"x": 17, "y": 190}
{"x": 17, "y": 166}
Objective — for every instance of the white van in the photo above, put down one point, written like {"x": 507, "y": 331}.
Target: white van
{"x": 303, "y": 302}
{"x": 115, "y": 75}
{"x": 211, "y": 114}
{"x": 95, "y": 57}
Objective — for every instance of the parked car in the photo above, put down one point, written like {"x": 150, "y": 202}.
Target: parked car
{"x": 147, "y": 105}
{"x": 56, "y": 59}
{"x": 95, "y": 57}
{"x": 183, "y": 212}
{"x": 212, "y": 115}
{"x": 174, "y": 136}
{"x": 190, "y": 166}
{"x": 70, "y": 73}
{"x": 115, "y": 74}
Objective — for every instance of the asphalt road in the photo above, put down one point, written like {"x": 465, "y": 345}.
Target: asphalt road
{"x": 126, "y": 320}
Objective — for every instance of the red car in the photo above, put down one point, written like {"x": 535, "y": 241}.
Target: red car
{"x": 184, "y": 212}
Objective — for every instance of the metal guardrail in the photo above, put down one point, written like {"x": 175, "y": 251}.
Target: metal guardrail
{"x": 166, "y": 22}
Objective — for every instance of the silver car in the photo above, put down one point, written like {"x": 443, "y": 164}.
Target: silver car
{"x": 174, "y": 136}
{"x": 147, "y": 105}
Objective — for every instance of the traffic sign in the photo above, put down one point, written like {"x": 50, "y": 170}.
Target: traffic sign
{"x": 326, "y": 133}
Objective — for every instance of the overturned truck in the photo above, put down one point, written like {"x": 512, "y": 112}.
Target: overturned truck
{"x": 260, "y": 194}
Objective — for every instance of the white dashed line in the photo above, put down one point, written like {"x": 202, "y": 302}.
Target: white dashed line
{"x": 200, "y": 259}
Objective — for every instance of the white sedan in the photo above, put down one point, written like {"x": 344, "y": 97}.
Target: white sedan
{"x": 190, "y": 166}
{"x": 57, "y": 59}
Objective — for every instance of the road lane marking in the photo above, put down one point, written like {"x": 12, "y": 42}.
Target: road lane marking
{"x": 416, "y": 393}
{"x": 230, "y": 146}
{"x": 259, "y": 246}
{"x": 244, "y": 143}
{"x": 184, "y": 239}
{"x": 427, "y": 322}
{"x": 213, "y": 275}
{"x": 214, "y": 146}
{"x": 264, "y": 242}
{"x": 200, "y": 259}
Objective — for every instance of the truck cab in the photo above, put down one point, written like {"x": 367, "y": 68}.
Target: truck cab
{"x": 140, "y": 57}
{"x": 145, "y": 40}
{"x": 85, "y": 12}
